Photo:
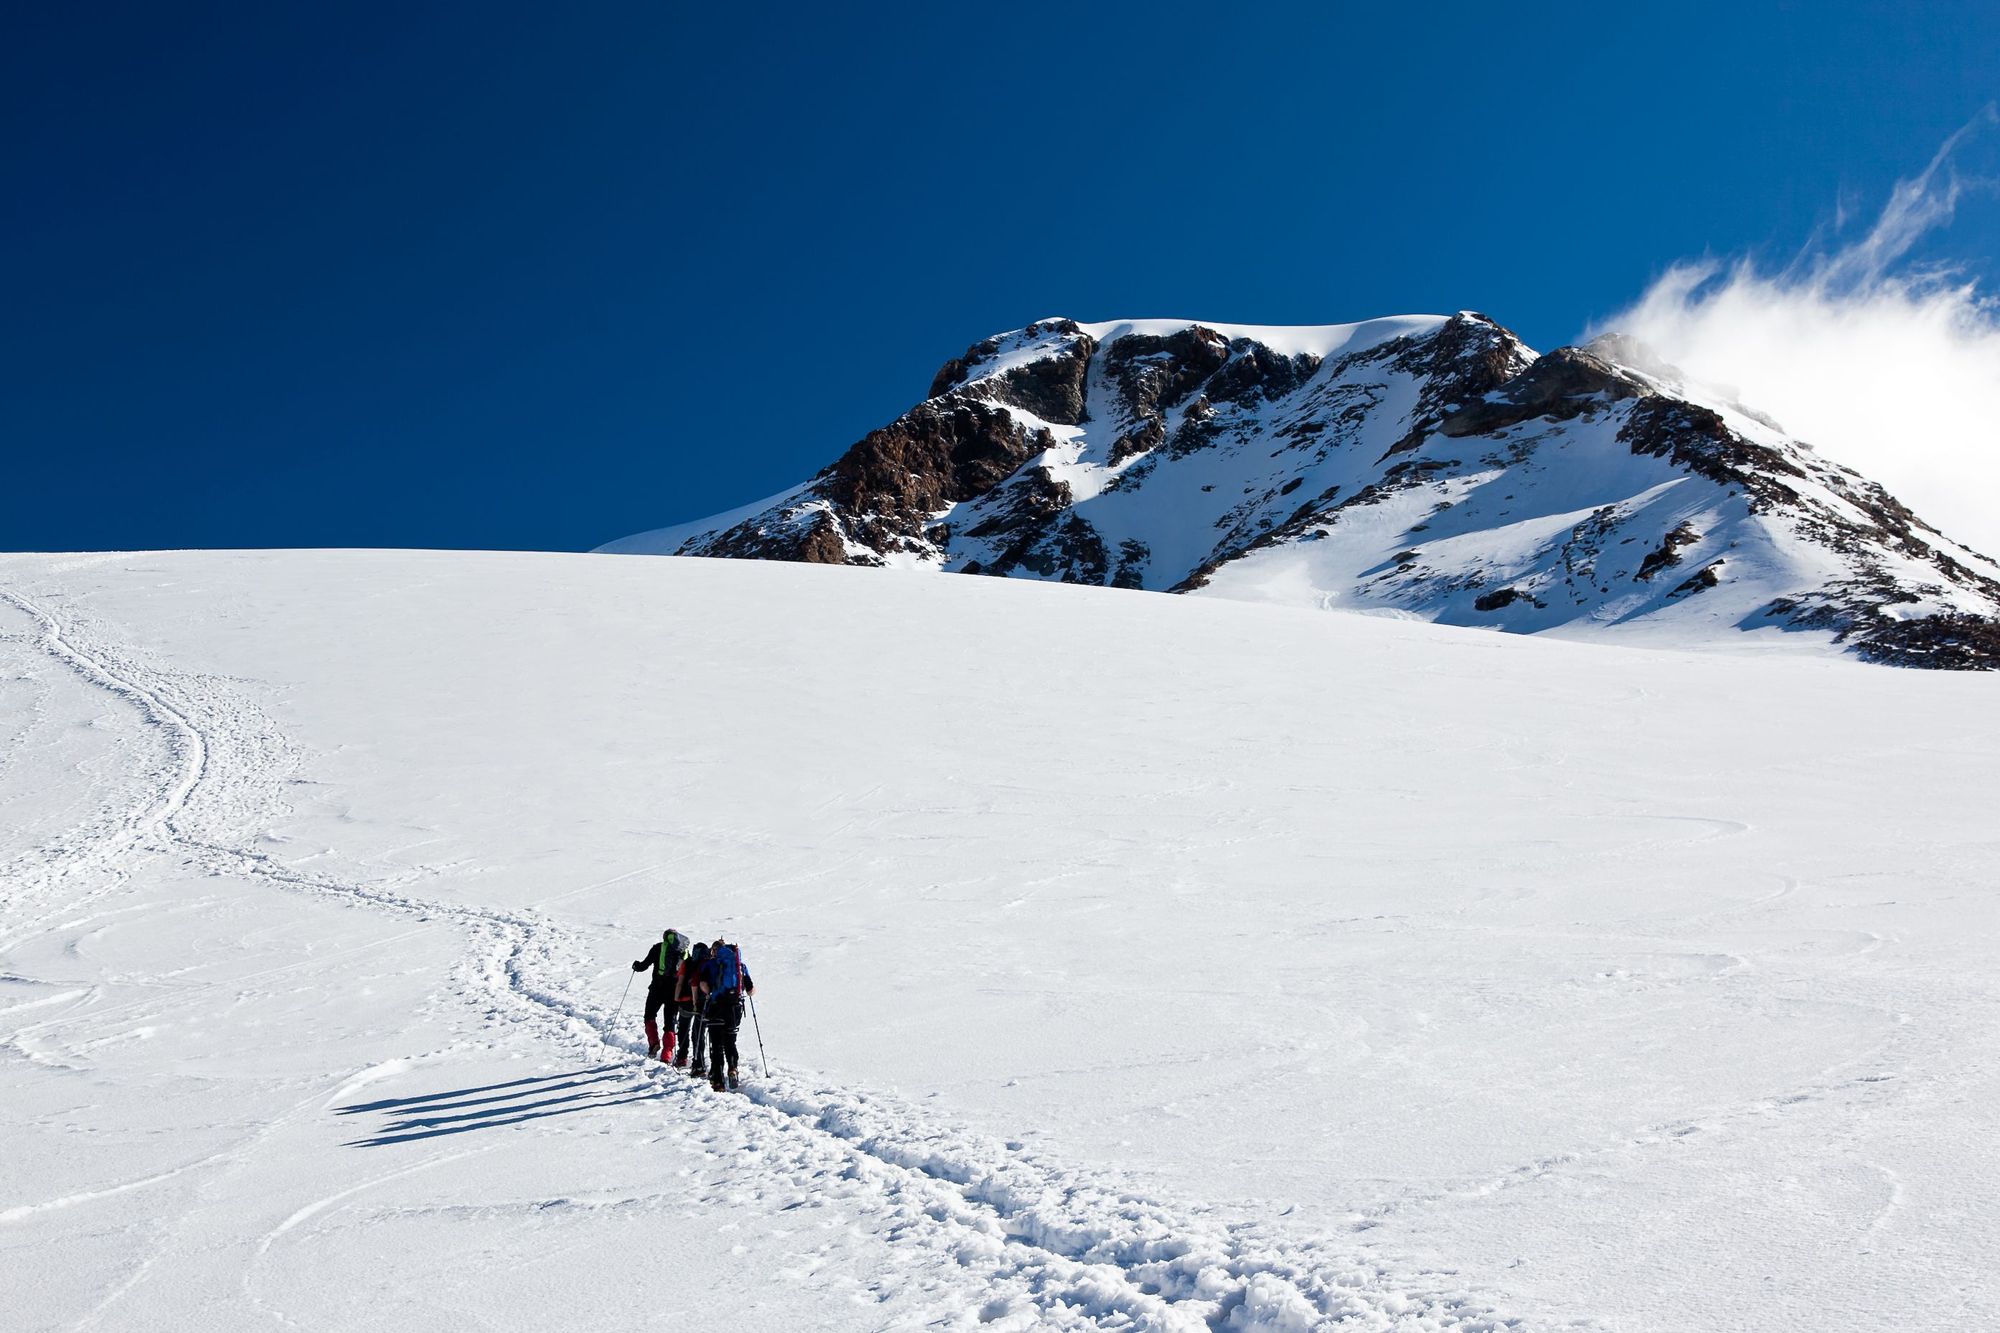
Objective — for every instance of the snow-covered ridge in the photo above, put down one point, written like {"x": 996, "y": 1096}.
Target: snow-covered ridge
{"x": 1320, "y": 340}
{"x": 1417, "y": 465}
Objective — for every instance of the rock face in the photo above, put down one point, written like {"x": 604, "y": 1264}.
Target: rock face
{"x": 1421, "y": 465}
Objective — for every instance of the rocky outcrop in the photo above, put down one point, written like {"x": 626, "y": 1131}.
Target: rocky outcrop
{"x": 1698, "y": 439}
{"x": 1468, "y": 357}
{"x": 1254, "y": 370}
{"x": 1668, "y": 553}
{"x": 1015, "y": 518}
{"x": 1430, "y": 467}
{"x": 939, "y": 453}
{"x": 1150, "y": 372}
{"x": 1564, "y": 384}
{"x": 1950, "y": 642}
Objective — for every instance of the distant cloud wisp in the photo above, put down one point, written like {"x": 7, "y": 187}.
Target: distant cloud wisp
{"x": 1890, "y": 368}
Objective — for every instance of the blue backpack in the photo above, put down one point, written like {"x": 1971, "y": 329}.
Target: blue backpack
{"x": 725, "y": 970}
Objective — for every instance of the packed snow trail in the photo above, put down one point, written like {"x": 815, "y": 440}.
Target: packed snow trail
{"x": 1035, "y": 1244}
{"x": 95, "y": 852}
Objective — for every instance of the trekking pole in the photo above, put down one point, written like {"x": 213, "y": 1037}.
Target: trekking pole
{"x": 622, "y": 995}
{"x": 758, "y": 1028}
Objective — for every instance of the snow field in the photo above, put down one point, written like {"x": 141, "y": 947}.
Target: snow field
{"x": 1050, "y": 1248}
{"x": 1560, "y": 977}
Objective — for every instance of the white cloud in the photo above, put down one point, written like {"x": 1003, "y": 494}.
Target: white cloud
{"x": 1890, "y": 369}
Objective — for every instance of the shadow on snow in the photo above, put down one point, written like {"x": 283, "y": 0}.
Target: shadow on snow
{"x": 510, "y": 1103}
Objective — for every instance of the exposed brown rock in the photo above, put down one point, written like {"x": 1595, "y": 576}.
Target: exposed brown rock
{"x": 954, "y": 372}
{"x": 1467, "y": 358}
{"x": 1196, "y": 431}
{"x": 939, "y": 453}
{"x": 1699, "y": 581}
{"x": 1254, "y": 370}
{"x": 1942, "y": 642}
{"x": 1052, "y": 387}
{"x": 813, "y": 540}
{"x": 1147, "y": 435}
{"x": 1700, "y": 440}
{"x": 1018, "y": 511}
{"x": 1153, "y": 372}
{"x": 822, "y": 545}
{"x": 1133, "y": 557}
{"x": 1046, "y": 388}
{"x": 1070, "y": 551}
{"x": 1667, "y": 555}
{"x": 950, "y": 375}
{"x": 1564, "y": 384}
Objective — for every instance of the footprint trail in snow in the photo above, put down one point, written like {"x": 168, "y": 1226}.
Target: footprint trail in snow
{"x": 1028, "y": 1242}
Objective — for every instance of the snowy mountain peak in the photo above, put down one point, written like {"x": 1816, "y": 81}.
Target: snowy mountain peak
{"x": 1421, "y": 465}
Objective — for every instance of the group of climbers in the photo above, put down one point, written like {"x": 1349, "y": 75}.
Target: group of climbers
{"x": 698, "y": 991}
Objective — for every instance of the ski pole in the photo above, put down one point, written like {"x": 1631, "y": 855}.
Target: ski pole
{"x": 758, "y": 1028}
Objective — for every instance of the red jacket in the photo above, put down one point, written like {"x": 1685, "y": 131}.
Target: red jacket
{"x": 685, "y": 979}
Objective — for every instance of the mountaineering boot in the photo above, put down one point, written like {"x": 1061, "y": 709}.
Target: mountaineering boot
{"x": 667, "y": 1047}
{"x": 733, "y": 1084}
{"x": 652, "y": 1039}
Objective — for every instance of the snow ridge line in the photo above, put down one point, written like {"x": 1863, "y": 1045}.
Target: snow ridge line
{"x": 1041, "y": 1245}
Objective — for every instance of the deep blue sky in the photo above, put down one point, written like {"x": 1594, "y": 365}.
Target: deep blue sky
{"x": 530, "y": 275}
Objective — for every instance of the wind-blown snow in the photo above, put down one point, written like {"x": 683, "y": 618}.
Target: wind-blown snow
{"x": 1125, "y": 962}
{"x": 1888, "y": 367}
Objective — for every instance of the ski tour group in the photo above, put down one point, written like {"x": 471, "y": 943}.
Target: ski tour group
{"x": 699, "y": 993}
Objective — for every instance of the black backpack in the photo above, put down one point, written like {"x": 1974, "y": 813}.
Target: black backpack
{"x": 672, "y": 950}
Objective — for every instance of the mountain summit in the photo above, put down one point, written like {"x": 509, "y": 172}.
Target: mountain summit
{"x": 1422, "y": 465}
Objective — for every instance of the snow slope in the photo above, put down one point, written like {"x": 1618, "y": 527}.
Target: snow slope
{"x": 1125, "y": 961}
{"x": 1417, "y": 466}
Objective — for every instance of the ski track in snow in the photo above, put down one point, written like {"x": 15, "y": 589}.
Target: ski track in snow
{"x": 1034, "y": 1243}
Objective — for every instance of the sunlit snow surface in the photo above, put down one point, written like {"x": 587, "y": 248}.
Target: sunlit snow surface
{"x": 1342, "y": 491}
{"x": 1125, "y": 961}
